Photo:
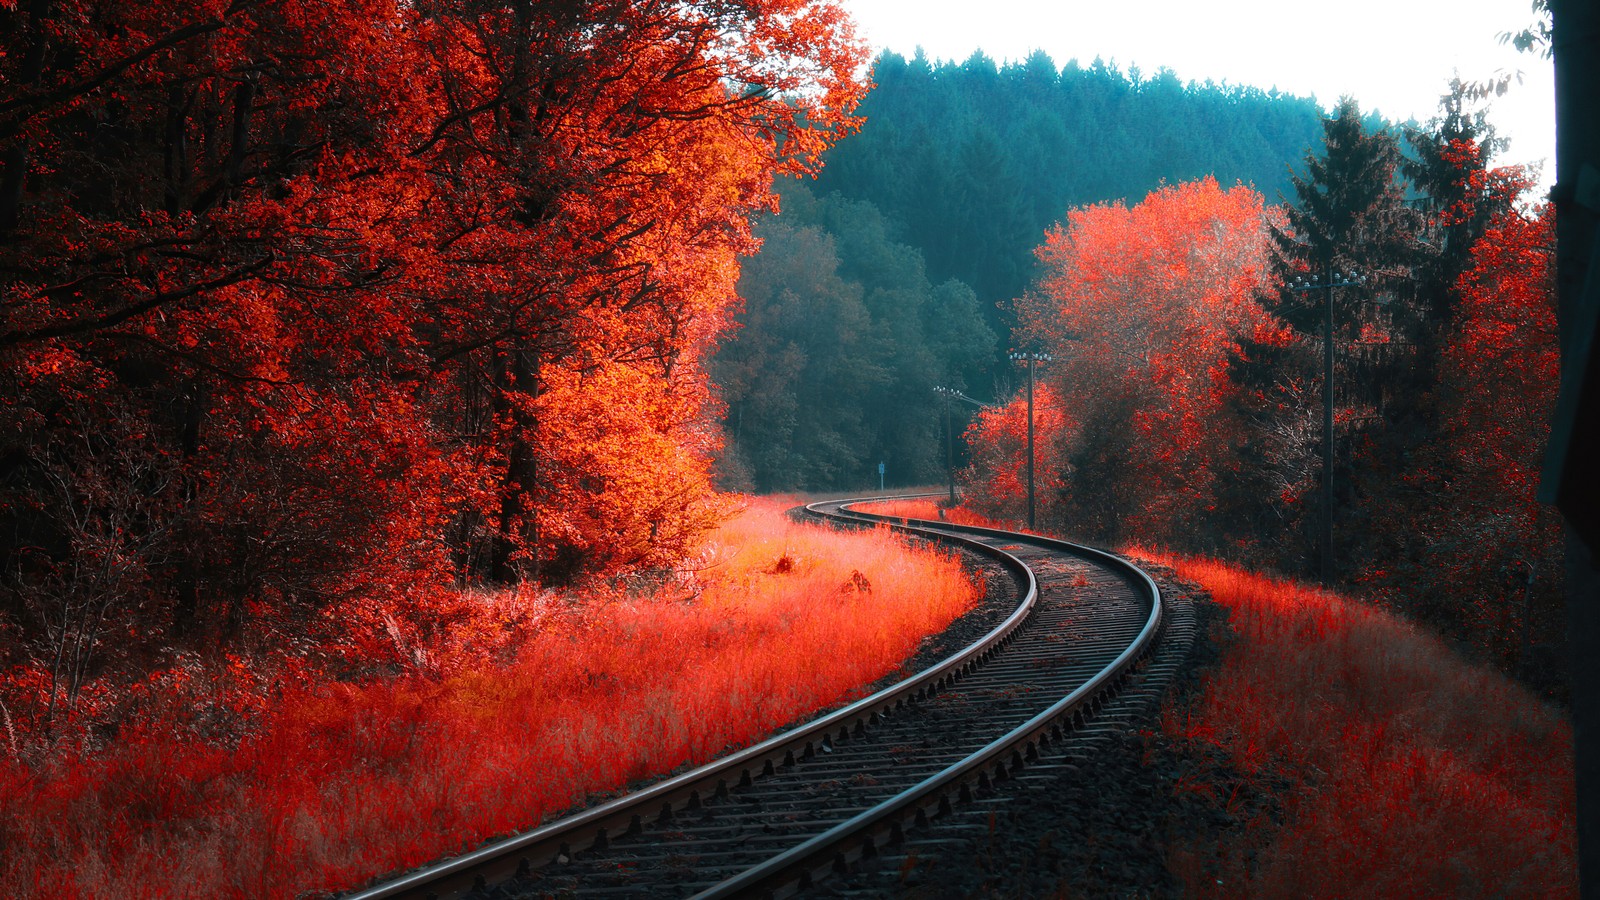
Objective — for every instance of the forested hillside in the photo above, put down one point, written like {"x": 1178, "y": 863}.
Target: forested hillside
{"x": 974, "y": 160}
{"x": 1157, "y": 239}
{"x": 894, "y": 271}
{"x": 844, "y": 338}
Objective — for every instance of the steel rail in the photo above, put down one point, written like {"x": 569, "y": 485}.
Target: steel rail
{"x": 593, "y": 827}
{"x": 859, "y": 835}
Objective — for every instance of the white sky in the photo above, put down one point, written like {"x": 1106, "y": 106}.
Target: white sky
{"x": 1394, "y": 56}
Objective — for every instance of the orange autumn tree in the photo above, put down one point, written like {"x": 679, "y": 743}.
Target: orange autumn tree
{"x": 1141, "y": 307}
{"x": 996, "y": 479}
{"x": 203, "y": 237}
{"x": 628, "y": 154}
{"x": 308, "y": 309}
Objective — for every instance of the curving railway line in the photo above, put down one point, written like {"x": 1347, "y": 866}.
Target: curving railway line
{"x": 863, "y": 781}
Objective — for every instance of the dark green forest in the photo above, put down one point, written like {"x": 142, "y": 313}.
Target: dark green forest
{"x": 843, "y": 339}
{"x": 876, "y": 280}
{"x": 974, "y": 161}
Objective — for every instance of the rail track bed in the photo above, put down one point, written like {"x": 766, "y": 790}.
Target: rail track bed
{"x": 862, "y": 785}
{"x": 1087, "y": 819}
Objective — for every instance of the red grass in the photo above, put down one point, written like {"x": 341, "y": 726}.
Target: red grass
{"x": 929, "y": 509}
{"x": 327, "y": 784}
{"x": 1410, "y": 773}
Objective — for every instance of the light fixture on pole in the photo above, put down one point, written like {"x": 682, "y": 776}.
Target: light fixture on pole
{"x": 1331, "y": 278}
{"x": 1031, "y": 359}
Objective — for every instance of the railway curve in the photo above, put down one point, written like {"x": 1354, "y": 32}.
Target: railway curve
{"x": 771, "y": 819}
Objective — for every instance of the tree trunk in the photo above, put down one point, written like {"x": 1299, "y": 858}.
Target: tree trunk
{"x": 1573, "y": 477}
{"x": 186, "y": 587}
{"x": 516, "y": 558}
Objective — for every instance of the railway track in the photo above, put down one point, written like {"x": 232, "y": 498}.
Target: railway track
{"x": 859, "y": 782}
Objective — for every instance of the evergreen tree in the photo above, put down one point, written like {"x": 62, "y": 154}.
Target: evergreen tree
{"x": 1350, "y": 210}
{"x": 1450, "y": 173}
{"x": 1350, "y": 217}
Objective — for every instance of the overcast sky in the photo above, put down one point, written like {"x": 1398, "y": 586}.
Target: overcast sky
{"x": 1395, "y": 56}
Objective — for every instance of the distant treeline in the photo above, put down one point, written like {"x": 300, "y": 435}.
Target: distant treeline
{"x": 843, "y": 339}
{"x": 876, "y": 281}
{"x": 974, "y": 161}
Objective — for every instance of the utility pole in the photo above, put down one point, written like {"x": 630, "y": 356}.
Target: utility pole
{"x": 949, "y": 440}
{"x": 1031, "y": 359}
{"x": 1330, "y": 280}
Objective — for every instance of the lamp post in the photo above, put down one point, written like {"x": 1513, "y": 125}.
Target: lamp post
{"x": 949, "y": 439}
{"x": 1031, "y": 359}
{"x": 1331, "y": 278}
{"x": 950, "y": 394}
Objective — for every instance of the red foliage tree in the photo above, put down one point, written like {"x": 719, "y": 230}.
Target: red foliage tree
{"x": 199, "y": 321}
{"x": 1502, "y": 358}
{"x": 996, "y": 479}
{"x": 1490, "y": 554}
{"x": 305, "y": 301}
{"x": 629, "y": 141}
{"x": 1141, "y": 307}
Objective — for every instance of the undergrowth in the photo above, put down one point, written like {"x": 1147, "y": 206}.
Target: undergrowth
{"x": 270, "y": 778}
{"x": 1403, "y": 771}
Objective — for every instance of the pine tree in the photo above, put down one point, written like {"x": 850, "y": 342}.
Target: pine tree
{"x": 1450, "y": 175}
{"x": 1351, "y": 217}
{"x": 1350, "y": 211}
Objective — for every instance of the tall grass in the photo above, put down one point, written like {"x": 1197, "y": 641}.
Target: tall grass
{"x": 328, "y": 783}
{"x": 1404, "y": 771}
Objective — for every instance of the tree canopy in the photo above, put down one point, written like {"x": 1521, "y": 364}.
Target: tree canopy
{"x": 973, "y": 161}
{"x": 841, "y": 342}
{"x": 307, "y": 307}
{"x": 1191, "y": 370}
